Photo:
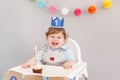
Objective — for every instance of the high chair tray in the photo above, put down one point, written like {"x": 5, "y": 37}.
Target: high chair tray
{"x": 52, "y": 71}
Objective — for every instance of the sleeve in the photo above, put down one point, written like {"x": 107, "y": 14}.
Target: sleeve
{"x": 69, "y": 55}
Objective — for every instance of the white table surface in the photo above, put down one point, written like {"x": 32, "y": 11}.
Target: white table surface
{"x": 53, "y": 71}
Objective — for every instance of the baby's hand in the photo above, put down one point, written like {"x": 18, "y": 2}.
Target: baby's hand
{"x": 36, "y": 52}
{"x": 68, "y": 64}
{"x": 27, "y": 65}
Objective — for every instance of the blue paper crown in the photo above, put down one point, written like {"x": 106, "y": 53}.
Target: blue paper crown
{"x": 57, "y": 22}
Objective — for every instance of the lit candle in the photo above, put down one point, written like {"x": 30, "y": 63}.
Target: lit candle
{"x": 36, "y": 53}
{"x": 35, "y": 47}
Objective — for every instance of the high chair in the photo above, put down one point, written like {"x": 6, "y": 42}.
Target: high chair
{"x": 78, "y": 71}
{"x": 77, "y": 52}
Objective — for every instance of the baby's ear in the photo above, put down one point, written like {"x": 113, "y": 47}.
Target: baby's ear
{"x": 46, "y": 37}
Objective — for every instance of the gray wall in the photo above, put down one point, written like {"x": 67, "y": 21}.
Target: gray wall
{"x": 23, "y": 24}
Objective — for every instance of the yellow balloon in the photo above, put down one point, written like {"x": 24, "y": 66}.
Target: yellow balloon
{"x": 107, "y": 3}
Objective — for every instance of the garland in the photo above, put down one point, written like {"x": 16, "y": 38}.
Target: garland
{"x": 77, "y": 11}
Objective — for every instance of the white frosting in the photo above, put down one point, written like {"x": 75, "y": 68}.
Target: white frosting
{"x": 37, "y": 66}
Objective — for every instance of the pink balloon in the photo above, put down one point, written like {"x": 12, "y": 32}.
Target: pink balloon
{"x": 52, "y": 9}
{"x": 77, "y": 12}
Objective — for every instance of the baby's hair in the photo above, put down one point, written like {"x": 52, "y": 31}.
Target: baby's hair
{"x": 52, "y": 30}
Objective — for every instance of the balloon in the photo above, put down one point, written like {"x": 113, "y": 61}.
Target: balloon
{"x": 77, "y": 12}
{"x": 52, "y": 9}
{"x": 92, "y": 9}
{"x": 107, "y": 3}
{"x": 65, "y": 11}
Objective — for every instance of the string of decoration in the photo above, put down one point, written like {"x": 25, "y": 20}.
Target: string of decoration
{"x": 77, "y": 11}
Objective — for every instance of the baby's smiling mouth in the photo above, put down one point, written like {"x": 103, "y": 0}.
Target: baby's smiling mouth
{"x": 54, "y": 43}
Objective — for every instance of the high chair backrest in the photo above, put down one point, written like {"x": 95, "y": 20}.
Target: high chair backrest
{"x": 75, "y": 47}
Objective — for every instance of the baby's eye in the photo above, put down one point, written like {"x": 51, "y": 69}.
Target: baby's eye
{"x": 59, "y": 37}
{"x": 52, "y": 36}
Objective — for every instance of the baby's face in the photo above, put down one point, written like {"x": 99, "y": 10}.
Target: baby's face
{"x": 55, "y": 40}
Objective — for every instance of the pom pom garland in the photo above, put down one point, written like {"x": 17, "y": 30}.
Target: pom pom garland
{"x": 77, "y": 11}
{"x": 107, "y": 4}
{"x": 65, "y": 11}
{"x": 32, "y": 0}
{"x": 52, "y": 9}
{"x": 41, "y": 3}
{"x": 92, "y": 9}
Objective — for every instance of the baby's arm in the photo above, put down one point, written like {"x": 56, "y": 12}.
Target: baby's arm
{"x": 29, "y": 63}
{"x": 71, "y": 59}
{"x": 33, "y": 60}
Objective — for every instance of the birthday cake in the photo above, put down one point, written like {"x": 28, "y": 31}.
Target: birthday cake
{"x": 37, "y": 69}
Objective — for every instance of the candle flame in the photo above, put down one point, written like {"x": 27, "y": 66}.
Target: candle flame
{"x": 35, "y": 47}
